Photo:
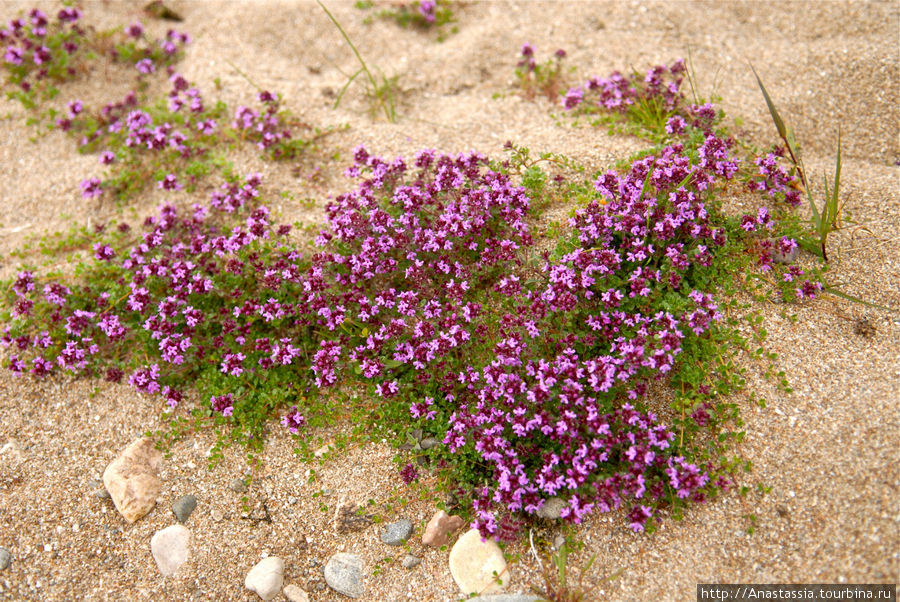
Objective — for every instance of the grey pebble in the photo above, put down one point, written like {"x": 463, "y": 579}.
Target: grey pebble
{"x": 183, "y": 506}
{"x": 344, "y": 574}
{"x": 409, "y": 561}
{"x": 238, "y": 486}
{"x": 429, "y": 442}
{"x": 552, "y": 508}
{"x": 396, "y": 533}
{"x": 5, "y": 559}
{"x": 97, "y": 489}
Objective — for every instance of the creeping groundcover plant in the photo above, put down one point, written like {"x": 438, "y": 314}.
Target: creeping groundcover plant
{"x": 542, "y": 367}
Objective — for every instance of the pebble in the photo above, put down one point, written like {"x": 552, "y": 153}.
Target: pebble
{"x": 131, "y": 479}
{"x": 266, "y": 578}
{"x": 183, "y": 506}
{"x": 98, "y": 490}
{"x": 409, "y": 561}
{"x": 474, "y": 564}
{"x": 238, "y": 486}
{"x": 344, "y": 574}
{"x": 440, "y": 528}
{"x": 171, "y": 547}
{"x": 552, "y": 508}
{"x": 217, "y": 515}
{"x": 396, "y": 533}
{"x": 5, "y": 559}
{"x": 294, "y": 594}
{"x": 428, "y": 443}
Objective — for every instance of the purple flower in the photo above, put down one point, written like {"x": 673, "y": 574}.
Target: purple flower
{"x": 223, "y": 404}
{"x": 409, "y": 474}
{"x": 135, "y": 30}
{"x": 427, "y": 10}
{"x": 75, "y": 107}
{"x": 293, "y": 420}
{"x": 69, "y": 14}
{"x": 103, "y": 252}
{"x": 107, "y": 157}
{"x": 91, "y": 188}
{"x": 170, "y": 182}
{"x": 13, "y": 55}
{"x": 527, "y": 49}
{"x": 145, "y": 66}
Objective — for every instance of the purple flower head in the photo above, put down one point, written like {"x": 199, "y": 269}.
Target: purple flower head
{"x": 145, "y": 66}
{"x": 69, "y": 14}
{"x": 103, "y": 252}
{"x": 75, "y": 107}
{"x": 527, "y": 49}
{"x": 107, "y": 158}
{"x": 409, "y": 474}
{"x": 13, "y": 55}
{"x": 293, "y": 421}
{"x": 135, "y": 30}
{"x": 223, "y": 404}
{"x": 427, "y": 10}
{"x": 560, "y": 53}
{"x": 170, "y": 182}
{"x": 91, "y": 188}
{"x": 38, "y": 18}
{"x": 41, "y": 55}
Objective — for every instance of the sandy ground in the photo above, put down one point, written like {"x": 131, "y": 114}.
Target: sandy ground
{"x": 829, "y": 451}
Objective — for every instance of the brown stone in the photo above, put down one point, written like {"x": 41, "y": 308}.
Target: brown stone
{"x": 132, "y": 481}
{"x": 440, "y": 528}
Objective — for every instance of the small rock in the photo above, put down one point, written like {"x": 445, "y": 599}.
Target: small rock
{"x": 323, "y": 450}
{"x": 294, "y": 593}
{"x": 132, "y": 481}
{"x": 396, "y": 533}
{"x": 428, "y": 443}
{"x": 552, "y": 508}
{"x": 5, "y": 559}
{"x": 266, "y": 578}
{"x": 558, "y": 542}
{"x": 238, "y": 486}
{"x": 183, "y": 506}
{"x": 171, "y": 547}
{"x": 11, "y": 453}
{"x": 217, "y": 515}
{"x": 344, "y": 574}
{"x": 440, "y": 528}
{"x": 97, "y": 489}
{"x": 409, "y": 561}
{"x": 478, "y": 565}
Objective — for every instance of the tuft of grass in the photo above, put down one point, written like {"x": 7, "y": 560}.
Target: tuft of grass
{"x": 827, "y": 219}
{"x": 380, "y": 94}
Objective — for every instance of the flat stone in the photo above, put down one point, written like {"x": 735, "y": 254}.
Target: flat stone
{"x": 409, "y": 561}
{"x": 5, "y": 559}
{"x": 132, "y": 481}
{"x": 294, "y": 593}
{"x": 428, "y": 443}
{"x": 344, "y": 574}
{"x": 183, "y": 506}
{"x": 238, "y": 486}
{"x": 266, "y": 578}
{"x": 396, "y": 533}
{"x": 171, "y": 547}
{"x": 478, "y": 566}
{"x": 552, "y": 508}
{"x": 440, "y": 528}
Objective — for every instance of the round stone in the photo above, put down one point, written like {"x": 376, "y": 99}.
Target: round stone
{"x": 5, "y": 559}
{"x": 171, "y": 547}
{"x": 344, "y": 574}
{"x": 266, "y": 578}
{"x": 478, "y": 566}
{"x": 396, "y": 533}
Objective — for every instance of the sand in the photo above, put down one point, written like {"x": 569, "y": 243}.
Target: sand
{"x": 828, "y": 451}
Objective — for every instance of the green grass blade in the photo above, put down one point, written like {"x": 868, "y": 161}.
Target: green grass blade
{"x": 837, "y": 184}
{"x": 833, "y": 291}
{"x": 779, "y": 123}
{"x": 344, "y": 89}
